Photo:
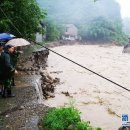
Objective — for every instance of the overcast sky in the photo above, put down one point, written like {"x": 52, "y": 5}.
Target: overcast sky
{"x": 125, "y": 7}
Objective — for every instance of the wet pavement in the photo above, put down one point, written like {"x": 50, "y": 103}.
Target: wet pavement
{"x": 24, "y": 111}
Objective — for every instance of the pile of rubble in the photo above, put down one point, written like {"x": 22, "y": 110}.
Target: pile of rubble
{"x": 48, "y": 84}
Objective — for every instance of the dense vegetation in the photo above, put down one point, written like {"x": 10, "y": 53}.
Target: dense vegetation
{"x": 103, "y": 29}
{"x": 22, "y": 15}
{"x": 53, "y": 31}
{"x": 66, "y": 118}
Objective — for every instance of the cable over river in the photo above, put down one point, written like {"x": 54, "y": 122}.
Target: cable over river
{"x": 100, "y": 101}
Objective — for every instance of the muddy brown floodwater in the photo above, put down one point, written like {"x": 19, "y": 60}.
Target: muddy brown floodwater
{"x": 100, "y": 101}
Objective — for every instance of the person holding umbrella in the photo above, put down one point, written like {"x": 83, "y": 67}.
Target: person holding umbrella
{"x": 8, "y": 61}
{"x": 8, "y": 71}
{"x": 16, "y": 42}
{"x": 14, "y": 56}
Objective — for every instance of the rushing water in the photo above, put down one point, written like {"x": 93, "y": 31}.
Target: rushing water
{"x": 39, "y": 91}
{"x": 100, "y": 101}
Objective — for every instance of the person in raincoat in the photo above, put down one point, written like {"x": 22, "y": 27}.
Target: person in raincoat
{"x": 14, "y": 56}
{"x": 8, "y": 71}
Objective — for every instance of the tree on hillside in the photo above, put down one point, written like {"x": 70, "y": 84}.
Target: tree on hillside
{"x": 25, "y": 15}
{"x": 53, "y": 30}
{"x": 103, "y": 29}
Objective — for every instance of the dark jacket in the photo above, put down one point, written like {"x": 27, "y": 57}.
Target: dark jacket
{"x": 14, "y": 57}
{"x": 6, "y": 66}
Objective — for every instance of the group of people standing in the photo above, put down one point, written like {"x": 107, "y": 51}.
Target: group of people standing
{"x": 8, "y": 60}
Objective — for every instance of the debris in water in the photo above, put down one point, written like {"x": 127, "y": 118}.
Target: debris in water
{"x": 66, "y": 93}
{"x": 56, "y": 72}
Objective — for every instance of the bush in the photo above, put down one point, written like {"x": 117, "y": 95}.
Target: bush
{"x": 53, "y": 30}
{"x": 62, "y": 118}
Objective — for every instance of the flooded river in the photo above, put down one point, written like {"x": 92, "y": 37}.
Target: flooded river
{"x": 100, "y": 101}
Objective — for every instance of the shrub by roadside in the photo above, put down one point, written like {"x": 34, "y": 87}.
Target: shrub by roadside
{"x": 66, "y": 118}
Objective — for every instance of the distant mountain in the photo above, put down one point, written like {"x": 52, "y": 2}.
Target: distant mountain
{"x": 80, "y": 11}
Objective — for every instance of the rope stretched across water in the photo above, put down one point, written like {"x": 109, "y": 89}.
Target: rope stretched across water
{"x": 85, "y": 68}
